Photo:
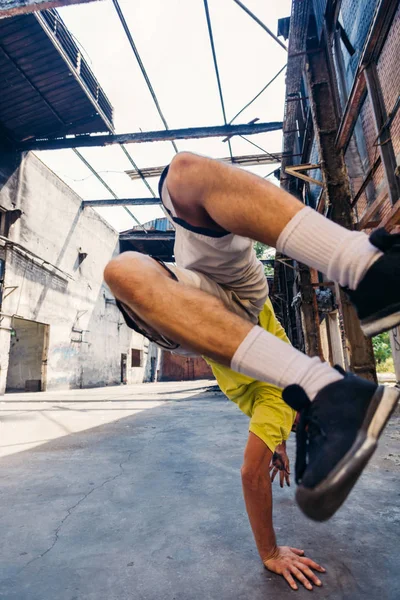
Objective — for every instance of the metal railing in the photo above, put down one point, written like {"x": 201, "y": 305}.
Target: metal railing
{"x": 71, "y": 49}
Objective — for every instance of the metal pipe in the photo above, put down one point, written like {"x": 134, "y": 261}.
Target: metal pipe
{"x": 259, "y": 93}
{"x": 99, "y": 178}
{"x": 257, "y": 20}
{"x": 139, "y": 171}
{"x": 221, "y": 97}
{"x": 141, "y": 65}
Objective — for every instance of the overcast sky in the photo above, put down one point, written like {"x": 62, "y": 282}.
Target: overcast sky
{"x": 172, "y": 39}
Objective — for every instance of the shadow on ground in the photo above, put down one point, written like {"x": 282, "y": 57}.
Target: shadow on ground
{"x": 150, "y": 508}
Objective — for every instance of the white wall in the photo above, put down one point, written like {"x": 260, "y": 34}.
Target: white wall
{"x": 68, "y": 296}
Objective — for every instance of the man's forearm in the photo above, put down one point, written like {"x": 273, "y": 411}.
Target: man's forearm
{"x": 258, "y": 499}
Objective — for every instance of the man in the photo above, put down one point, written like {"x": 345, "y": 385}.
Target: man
{"x": 215, "y": 302}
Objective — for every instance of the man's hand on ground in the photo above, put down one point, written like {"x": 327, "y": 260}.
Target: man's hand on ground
{"x": 280, "y": 464}
{"x": 291, "y": 563}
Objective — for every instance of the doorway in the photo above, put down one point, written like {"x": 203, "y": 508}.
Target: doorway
{"x": 27, "y": 368}
{"x": 124, "y": 358}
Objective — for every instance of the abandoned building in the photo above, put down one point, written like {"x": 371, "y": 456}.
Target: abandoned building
{"x": 154, "y": 490}
{"x": 60, "y": 327}
{"x": 341, "y": 156}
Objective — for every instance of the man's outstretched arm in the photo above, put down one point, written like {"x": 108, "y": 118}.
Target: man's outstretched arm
{"x": 283, "y": 560}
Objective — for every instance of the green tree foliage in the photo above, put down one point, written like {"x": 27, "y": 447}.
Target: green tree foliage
{"x": 265, "y": 252}
{"x": 381, "y": 344}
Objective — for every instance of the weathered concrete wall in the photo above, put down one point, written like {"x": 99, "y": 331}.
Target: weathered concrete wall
{"x": 87, "y": 333}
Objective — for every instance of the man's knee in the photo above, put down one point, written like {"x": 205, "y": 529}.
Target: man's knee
{"x": 184, "y": 164}
{"x": 130, "y": 274}
{"x": 184, "y": 175}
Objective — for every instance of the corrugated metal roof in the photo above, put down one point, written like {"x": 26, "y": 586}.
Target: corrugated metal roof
{"x": 47, "y": 89}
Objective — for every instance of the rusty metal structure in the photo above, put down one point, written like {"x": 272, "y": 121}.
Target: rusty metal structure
{"x": 13, "y": 8}
{"x": 342, "y": 95}
{"x": 75, "y": 137}
{"x": 48, "y": 88}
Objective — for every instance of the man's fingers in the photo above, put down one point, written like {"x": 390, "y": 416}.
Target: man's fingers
{"x": 281, "y": 478}
{"x": 274, "y": 472}
{"x": 302, "y": 578}
{"x": 298, "y": 552}
{"x": 287, "y": 477}
{"x": 308, "y": 573}
{"x": 312, "y": 564}
{"x": 290, "y": 579}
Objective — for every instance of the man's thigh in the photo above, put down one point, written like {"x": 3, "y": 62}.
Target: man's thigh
{"x": 221, "y": 263}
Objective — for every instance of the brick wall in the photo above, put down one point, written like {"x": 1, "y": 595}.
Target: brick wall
{"x": 356, "y": 17}
{"x": 365, "y": 136}
{"x": 389, "y": 75}
{"x": 182, "y": 368}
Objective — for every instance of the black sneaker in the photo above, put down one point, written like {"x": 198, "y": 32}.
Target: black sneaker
{"x": 336, "y": 436}
{"x": 377, "y": 297}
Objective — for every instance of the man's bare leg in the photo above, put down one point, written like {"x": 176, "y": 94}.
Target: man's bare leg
{"x": 190, "y": 317}
{"x": 203, "y": 324}
{"x": 209, "y": 193}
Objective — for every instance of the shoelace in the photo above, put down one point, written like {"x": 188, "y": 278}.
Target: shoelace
{"x": 308, "y": 427}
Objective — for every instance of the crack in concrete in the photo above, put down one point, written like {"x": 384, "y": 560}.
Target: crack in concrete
{"x": 71, "y": 509}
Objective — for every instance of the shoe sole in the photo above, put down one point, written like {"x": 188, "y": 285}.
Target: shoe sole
{"x": 321, "y": 502}
{"x": 381, "y": 322}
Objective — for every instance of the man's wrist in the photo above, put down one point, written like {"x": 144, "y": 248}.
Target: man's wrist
{"x": 270, "y": 555}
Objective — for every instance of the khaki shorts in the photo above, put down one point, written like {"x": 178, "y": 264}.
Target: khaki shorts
{"x": 220, "y": 263}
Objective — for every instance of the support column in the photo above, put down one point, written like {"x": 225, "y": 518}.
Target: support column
{"x": 308, "y": 309}
{"x": 321, "y": 91}
{"x": 309, "y": 313}
{"x": 395, "y": 343}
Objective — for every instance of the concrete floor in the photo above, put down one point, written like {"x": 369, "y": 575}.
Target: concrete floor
{"x": 137, "y": 495}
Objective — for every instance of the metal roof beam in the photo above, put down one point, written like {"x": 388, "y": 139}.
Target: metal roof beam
{"x": 241, "y": 161}
{"x": 122, "y": 202}
{"x": 12, "y": 8}
{"x": 86, "y": 141}
{"x": 154, "y": 236}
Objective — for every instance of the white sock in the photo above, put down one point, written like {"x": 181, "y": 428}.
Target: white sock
{"x": 265, "y": 357}
{"x": 344, "y": 256}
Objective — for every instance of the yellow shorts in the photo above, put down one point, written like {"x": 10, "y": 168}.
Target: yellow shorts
{"x": 271, "y": 419}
